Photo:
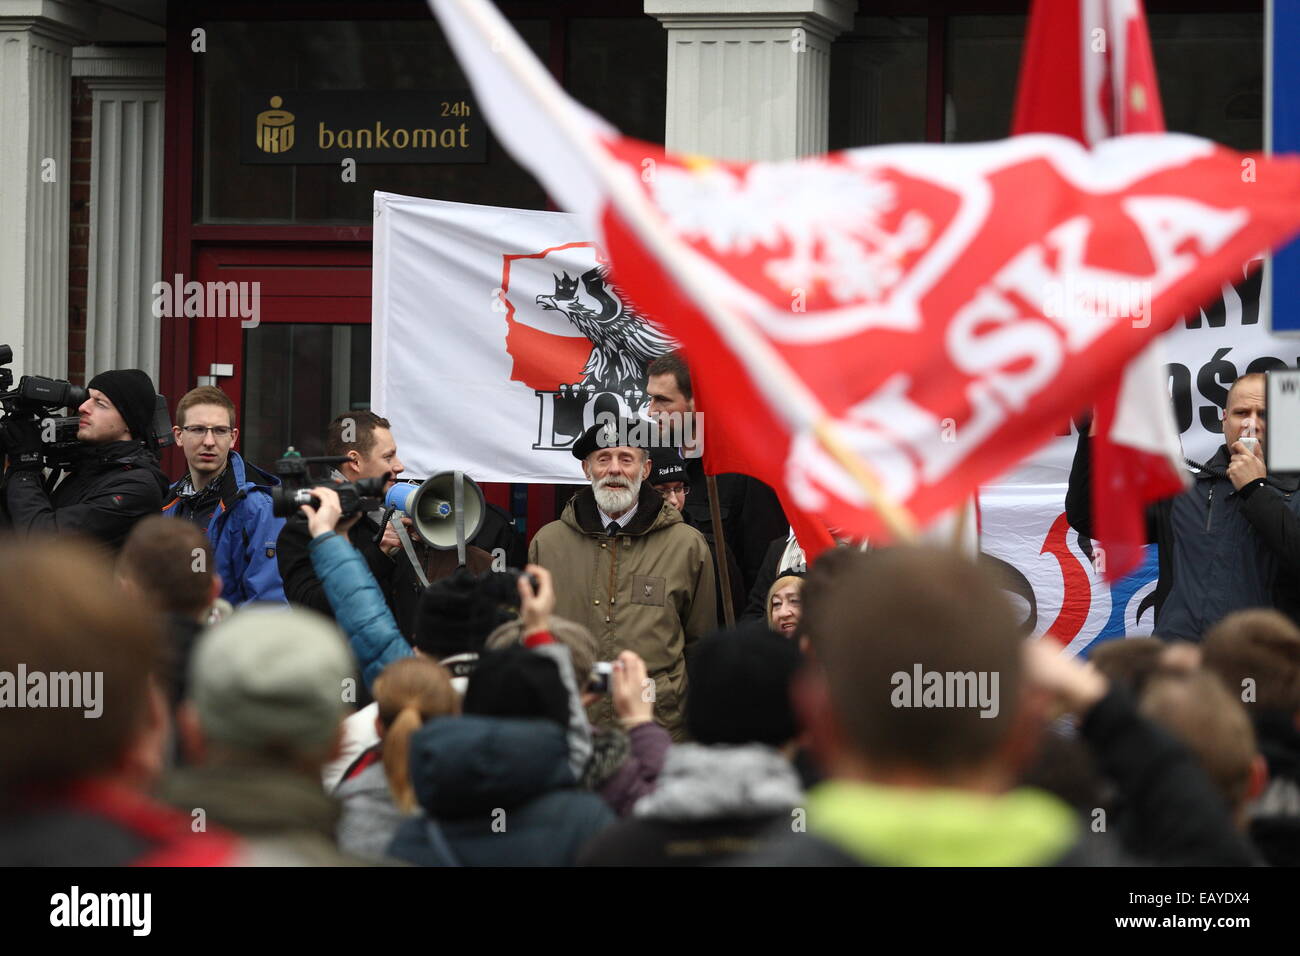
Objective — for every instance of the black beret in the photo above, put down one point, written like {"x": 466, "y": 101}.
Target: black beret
{"x": 623, "y": 433}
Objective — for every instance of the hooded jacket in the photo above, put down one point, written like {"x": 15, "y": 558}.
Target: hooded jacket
{"x": 711, "y": 803}
{"x": 109, "y": 489}
{"x": 647, "y": 589}
{"x": 243, "y": 532}
{"x": 496, "y": 792}
{"x": 1220, "y": 549}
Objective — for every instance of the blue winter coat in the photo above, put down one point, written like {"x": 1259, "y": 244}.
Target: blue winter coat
{"x": 243, "y": 532}
{"x": 358, "y": 603}
{"x": 496, "y": 792}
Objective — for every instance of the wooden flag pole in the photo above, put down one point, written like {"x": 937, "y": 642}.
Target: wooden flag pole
{"x": 899, "y": 519}
{"x": 720, "y": 550}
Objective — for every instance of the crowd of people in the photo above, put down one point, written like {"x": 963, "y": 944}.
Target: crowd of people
{"x": 187, "y": 678}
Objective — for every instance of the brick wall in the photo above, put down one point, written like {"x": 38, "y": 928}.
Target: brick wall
{"x": 79, "y": 232}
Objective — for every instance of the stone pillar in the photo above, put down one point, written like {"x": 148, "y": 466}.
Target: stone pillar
{"x": 749, "y": 79}
{"x": 126, "y": 196}
{"x": 36, "y": 40}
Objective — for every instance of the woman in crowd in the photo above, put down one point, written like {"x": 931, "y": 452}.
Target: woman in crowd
{"x": 784, "y": 604}
{"x": 376, "y": 791}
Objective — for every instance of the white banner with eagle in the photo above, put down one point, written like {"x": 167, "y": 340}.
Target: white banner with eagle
{"x": 497, "y": 338}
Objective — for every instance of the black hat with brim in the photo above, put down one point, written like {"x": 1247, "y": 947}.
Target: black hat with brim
{"x": 620, "y": 433}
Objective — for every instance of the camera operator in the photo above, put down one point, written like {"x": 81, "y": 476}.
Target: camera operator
{"x": 114, "y": 480}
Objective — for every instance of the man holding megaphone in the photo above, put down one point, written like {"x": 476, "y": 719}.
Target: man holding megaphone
{"x": 365, "y": 441}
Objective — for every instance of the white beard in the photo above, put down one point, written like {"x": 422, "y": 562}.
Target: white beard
{"x": 615, "y": 501}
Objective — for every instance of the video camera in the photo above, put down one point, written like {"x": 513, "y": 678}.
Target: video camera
{"x": 298, "y": 474}
{"x": 33, "y": 400}
{"x": 36, "y": 396}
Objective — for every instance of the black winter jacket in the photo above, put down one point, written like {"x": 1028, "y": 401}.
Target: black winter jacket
{"x": 750, "y": 511}
{"x": 109, "y": 489}
{"x": 301, "y": 586}
{"x": 1219, "y": 550}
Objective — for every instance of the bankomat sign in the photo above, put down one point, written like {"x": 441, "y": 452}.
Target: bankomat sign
{"x": 311, "y": 127}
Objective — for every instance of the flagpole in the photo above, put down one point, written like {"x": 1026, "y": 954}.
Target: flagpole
{"x": 784, "y": 391}
{"x": 720, "y": 550}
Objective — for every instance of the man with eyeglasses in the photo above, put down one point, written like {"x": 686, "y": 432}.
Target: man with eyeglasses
{"x": 229, "y": 498}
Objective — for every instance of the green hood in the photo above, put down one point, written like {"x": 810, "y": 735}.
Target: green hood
{"x": 897, "y": 826}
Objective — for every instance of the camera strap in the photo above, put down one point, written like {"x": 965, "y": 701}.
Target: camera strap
{"x": 396, "y": 519}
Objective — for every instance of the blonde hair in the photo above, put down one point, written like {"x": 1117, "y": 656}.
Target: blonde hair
{"x": 779, "y": 583}
{"x": 409, "y": 692}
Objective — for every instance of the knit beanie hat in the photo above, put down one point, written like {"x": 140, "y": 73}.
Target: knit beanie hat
{"x": 458, "y": 612}
{"x": 740, "y": 687}
{"x": 272, "y": 678}
{"x": 517, "y": 682}
{"x": 131, "y": 391}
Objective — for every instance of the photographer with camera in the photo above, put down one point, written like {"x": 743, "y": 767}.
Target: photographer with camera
{"x": 114, "y": 479}
{"x": 365, "y": 442}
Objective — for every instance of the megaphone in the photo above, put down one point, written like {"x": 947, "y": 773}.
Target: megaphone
{"x": 447, "y": 509}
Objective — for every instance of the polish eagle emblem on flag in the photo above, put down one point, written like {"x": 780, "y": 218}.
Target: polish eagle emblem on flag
{"x": 576, "y": 339}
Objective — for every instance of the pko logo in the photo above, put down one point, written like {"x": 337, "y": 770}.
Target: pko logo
{"x": 275, "y": 128}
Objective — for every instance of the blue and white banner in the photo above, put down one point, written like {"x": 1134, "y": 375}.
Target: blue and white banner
{"x": 1060, "y": 586}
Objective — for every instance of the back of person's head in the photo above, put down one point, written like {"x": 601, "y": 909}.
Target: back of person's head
{"x": 72, "y": 633}
{"x": 823, "y": 574}
{"x": 169, "y": 562}
{"x": 879, "y": 621}
{"x": 1130, "y": 662}
{"x": 583, "y": 647}
{"x": 408, "y": 693}
{"x": 458, "y": 612}
{"x": 270, "y": 683}
{"x": 740, "y": 684}
{"x": 1257, "y": 651}
{"x": 1196, "y": 708}
{"x": 516, "y": 682}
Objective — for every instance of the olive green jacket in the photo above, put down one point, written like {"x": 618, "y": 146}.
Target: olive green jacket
{"x": 648, "y": 589}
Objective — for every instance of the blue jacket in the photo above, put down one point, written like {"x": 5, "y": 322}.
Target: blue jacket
{"x": 243, "y": 532}
{"x": 358, "y": 603}
{"x": 496, "y": 791}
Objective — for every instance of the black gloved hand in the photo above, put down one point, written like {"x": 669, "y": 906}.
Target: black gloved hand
{"x": 23, "y": 444}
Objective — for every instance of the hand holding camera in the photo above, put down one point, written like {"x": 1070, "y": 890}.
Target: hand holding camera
{"x": 629, "y": 686}
{"x": 536, "y": 598}
{"x": 325, "y": 516}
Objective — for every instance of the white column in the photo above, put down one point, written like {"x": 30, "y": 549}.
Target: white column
{"x": 126, "y": 197}
{"x": 36, "y": 40}
{"x": 749, "y": 79}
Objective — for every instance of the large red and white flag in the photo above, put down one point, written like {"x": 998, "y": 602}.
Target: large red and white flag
{"x": 1088, "y": 73}
{"x": 914, "y": 305}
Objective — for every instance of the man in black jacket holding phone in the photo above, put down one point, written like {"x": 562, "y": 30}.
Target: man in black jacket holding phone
{"x": 1231, "y": 540}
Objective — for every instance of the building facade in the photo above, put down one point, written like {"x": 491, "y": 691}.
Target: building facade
{"x": 138, "y": 145}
